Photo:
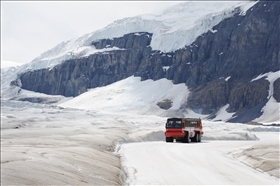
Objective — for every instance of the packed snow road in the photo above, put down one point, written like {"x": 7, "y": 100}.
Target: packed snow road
{"x": 205, "y": 163}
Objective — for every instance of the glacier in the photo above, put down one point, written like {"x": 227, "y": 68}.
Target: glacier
{"x": 172, "y": 29}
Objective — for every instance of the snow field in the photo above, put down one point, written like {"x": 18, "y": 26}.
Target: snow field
{"x": 43, "y": 144}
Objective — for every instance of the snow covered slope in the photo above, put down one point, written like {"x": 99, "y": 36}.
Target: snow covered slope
{"x": 271, "y": 111}
{"x": 132, "y": 95}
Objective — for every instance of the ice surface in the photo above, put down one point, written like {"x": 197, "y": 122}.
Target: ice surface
{"x": 49, "y": 145}
{"x": 262, "y": 157}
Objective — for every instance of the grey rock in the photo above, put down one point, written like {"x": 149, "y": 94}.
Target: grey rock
{"x": 276, "y": 90}
{"x": 165, "y": 104}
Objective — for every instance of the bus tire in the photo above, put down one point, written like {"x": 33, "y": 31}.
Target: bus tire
{"x": 198, "y": 137}
{"x": 169, "y": 139}
{"x": 186, "y": 138}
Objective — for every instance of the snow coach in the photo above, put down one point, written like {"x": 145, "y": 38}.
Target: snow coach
{"x": 183, "y": 129}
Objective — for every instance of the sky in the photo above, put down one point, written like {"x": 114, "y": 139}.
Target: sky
{"x": 30, "y": 28}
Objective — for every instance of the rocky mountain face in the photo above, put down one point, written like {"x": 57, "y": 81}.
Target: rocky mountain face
{"x": 218, "y": 67}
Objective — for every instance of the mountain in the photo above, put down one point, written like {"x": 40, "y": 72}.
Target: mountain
{"x": 226, "y": 53}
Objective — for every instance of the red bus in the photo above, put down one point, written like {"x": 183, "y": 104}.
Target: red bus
{"x": 183, "y": 129}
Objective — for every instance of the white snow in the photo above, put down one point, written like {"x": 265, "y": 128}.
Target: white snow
{"x": 213, "y": 31}
{"x": 271, "y": 77}
{"x": 223, "y": 115}
{"x": 165, "y": 68}
{"x": 247, "y": 7}
{"x": 132, "y": 95}
{"x": 271, "y": 111}
{"x": 227, "y": 78}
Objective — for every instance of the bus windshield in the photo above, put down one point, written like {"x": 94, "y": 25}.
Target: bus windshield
{"x": 174, "y": 124}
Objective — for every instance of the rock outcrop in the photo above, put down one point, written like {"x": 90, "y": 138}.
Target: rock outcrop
{"x": 217, "y": 67}
{"x": 276, "y": 91}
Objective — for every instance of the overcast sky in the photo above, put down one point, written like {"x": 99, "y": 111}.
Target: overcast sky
{"x": 31, "y": 28}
